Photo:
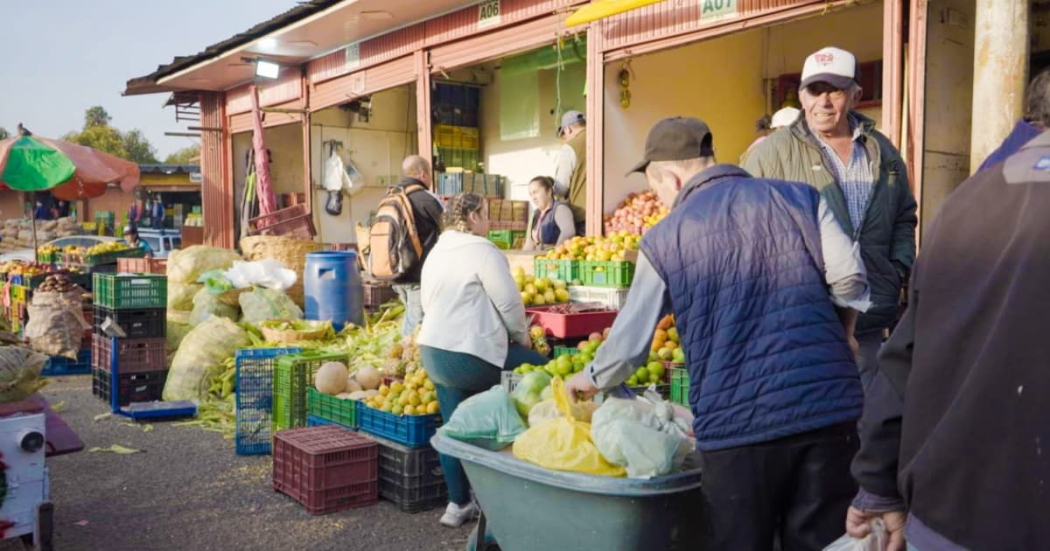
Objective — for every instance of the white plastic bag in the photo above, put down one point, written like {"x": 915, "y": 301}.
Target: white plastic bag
{"x": 641, "y": 435}
{"x": 267, "y": 273}
{"x": 335, "y": 177}
{"x": 875, "y": 541}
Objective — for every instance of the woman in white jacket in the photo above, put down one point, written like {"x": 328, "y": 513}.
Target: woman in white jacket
{"x": 474, "y": 325}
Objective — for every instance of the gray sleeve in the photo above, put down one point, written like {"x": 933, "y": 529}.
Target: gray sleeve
{"x": 563, "y": 170}
{"x": 627, "y": 347}
{"x": 843, "y": 268}
{"x": 566, "y": 225}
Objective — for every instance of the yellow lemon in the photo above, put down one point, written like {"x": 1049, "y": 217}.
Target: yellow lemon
{"x": 410, "y": 410}
{"x": 384, "y": 390}
{"x": 414, "y": 400}
{"x": 429, "y": 385}
{"x": 432, "y": 407}
{"x": 397, "y": 387}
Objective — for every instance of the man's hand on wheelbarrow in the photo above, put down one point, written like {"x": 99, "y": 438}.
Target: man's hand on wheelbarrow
{"x": 580, "y": 387}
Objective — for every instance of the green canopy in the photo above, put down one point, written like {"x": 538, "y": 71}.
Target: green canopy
{"x": 34, "y": 166}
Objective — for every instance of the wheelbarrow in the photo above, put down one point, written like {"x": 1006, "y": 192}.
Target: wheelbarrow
{"x": 528, "y": 507}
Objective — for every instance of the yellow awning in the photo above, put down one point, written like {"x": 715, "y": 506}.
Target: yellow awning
{"x": 604, "y": 8}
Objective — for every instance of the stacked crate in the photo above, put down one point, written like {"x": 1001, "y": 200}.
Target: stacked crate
{"x": 456, "y": 139}
{"x": 137, "y": 304}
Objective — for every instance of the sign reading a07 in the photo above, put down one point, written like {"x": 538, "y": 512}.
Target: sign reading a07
{"x": 488, "y": 13}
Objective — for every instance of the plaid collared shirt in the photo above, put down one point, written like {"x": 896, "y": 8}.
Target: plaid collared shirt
{"x": 856, "y": 179}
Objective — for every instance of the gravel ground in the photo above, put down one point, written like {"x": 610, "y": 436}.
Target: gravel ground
{"x": 188, "y": 490}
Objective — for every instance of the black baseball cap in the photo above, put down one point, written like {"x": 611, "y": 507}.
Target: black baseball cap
{"x": 676, "y": 139}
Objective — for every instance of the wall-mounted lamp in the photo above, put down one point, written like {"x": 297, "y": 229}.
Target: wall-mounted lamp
{"x": 263, "y": 68}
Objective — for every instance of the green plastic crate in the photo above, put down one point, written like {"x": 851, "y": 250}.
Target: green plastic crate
{"x": 292, "y": 376}
{"x": 596, "y": 273}
{"x": 679, "y": 385}
{"x": 330, "y": 408}
{"x": 507, "y": 239}
{"x": 565, "y": 270}
{"x": 130, "y": 291}
{"x": 565, "y": 350}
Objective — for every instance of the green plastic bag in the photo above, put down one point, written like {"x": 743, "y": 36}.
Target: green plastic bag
{"x": 264, "y": 304}
{"x": 488, "y": 420}
{"x": 215, "y": 282}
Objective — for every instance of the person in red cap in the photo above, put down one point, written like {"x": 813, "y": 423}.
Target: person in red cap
{"x": 859, "y": 174}
{"x": 764, "y": 286}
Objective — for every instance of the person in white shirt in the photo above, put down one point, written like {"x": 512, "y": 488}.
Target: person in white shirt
{"x": 474, "y": 326}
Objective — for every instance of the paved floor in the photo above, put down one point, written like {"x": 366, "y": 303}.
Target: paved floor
{"x": 189, "y": 491}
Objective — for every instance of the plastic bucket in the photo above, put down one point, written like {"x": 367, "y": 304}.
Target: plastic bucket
{"x": 332, "y": 288}
{"x": 529, "y": 507}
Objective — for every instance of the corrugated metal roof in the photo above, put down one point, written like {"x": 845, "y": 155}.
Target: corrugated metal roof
{"x": 148, "y": 83}
{"x": 167, "y": 169}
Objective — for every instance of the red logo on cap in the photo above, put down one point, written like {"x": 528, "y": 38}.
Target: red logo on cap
{"x": 824, "y": 59}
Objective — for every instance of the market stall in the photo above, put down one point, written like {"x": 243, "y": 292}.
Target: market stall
{"x": 736, "y": 79}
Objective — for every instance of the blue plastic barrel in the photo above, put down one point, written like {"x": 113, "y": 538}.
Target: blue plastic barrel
{"x": 332, "y": 288}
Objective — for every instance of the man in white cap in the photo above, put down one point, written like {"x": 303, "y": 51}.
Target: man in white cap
{"x": 570, "y": 175}
{"x": 861, "y": 177}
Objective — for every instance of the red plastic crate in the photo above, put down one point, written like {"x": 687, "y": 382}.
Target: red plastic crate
{"x": 133, "y": 355}
{"x": 294, "y": 221}
{"x": 326, "y": 468}
{"x": 142, "y": 266}
{"x": 564, "y": 326}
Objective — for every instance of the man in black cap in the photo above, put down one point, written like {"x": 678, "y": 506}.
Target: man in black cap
{"x": 765, "y": 287}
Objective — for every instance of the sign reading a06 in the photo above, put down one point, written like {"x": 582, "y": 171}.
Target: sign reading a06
{"x": 488, "y": 13}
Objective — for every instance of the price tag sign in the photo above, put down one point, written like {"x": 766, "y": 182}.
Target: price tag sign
{"x": 714, "y": 10}
{"x": 353, "y": 56}
{"x": 488, "y": 13}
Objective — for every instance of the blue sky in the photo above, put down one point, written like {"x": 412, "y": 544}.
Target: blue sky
{"x": 59, "y": 57}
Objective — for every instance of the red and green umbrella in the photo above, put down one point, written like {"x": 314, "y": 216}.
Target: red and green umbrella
{"x": 71, "y": 171}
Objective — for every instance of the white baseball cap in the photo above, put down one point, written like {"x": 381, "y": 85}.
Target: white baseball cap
{"x": 784, "y": 117}
{"x": 834, "y": 66}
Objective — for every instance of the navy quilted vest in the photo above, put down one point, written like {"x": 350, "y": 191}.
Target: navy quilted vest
{"x": 741, "y": 258}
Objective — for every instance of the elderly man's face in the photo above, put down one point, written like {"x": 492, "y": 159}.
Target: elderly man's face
{"x": 827, "y": 107}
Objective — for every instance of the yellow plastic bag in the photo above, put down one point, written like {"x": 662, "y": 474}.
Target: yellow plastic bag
{"x": 563, "y": 444}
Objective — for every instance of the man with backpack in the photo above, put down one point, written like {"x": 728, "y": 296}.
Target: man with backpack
{"x": 407, "y": 225}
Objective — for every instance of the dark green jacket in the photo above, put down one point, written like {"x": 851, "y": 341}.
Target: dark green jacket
{"x": 887, "y": 237}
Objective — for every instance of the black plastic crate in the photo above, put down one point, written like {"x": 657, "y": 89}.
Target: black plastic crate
{"x": 140, "y": 323}
{"x": 410, "y": 477}
{"x": 134, "y": 387}
{"x": 417, "y": 500}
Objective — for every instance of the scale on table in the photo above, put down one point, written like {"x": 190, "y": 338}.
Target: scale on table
{"x": 138, "y": 411}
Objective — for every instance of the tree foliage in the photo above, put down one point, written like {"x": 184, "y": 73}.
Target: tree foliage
{"x": 184, "y": 156}
{"x": 4, "y": 134}
{"x": 98, "y": 134}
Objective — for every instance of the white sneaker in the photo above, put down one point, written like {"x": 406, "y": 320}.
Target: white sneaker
{"x": 456, "y": 515}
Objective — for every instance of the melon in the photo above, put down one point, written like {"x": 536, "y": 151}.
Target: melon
{"x": 331, "y": 378}
{"x": 368, "y": 378}
{"x": 352, "y": 385}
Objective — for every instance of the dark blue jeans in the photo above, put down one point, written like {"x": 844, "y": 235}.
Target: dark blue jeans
{"x": 456, "y": 377}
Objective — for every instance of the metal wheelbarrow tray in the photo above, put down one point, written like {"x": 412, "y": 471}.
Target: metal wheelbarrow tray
{"x": 528, "y": 507}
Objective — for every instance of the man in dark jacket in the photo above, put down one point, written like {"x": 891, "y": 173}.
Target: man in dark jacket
{"x": 860, "y": 175}
{"x": 762, "y": 281}
{"x": 956, "y": 428}
{"x": 427, "y": 211}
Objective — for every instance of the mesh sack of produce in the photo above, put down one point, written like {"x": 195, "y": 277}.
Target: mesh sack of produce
{"x": 180, "y": 295}
{"x": 187, "y": 265}
{"x": 56, "y": 323}
{"x": 178, "y": 326}
{"x": 206, "y": 305}
{"x": 563, "y": 443}
{"x": 20, "y": 373}
{"x": 488, "y": 420}
{"x": 25, "y": 235}
{"x": 45, "y": 235}
{"x": 50, "y": 225}
{"x": 264, "y": 304}
{"x": 288, "y": 250}
{"x": 201, "y": 357}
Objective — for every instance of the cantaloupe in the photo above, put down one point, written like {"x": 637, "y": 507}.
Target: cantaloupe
{"x": 368, "y": 378}
{"x": 352, "y": 385}
{"x": 331, "y": 378}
